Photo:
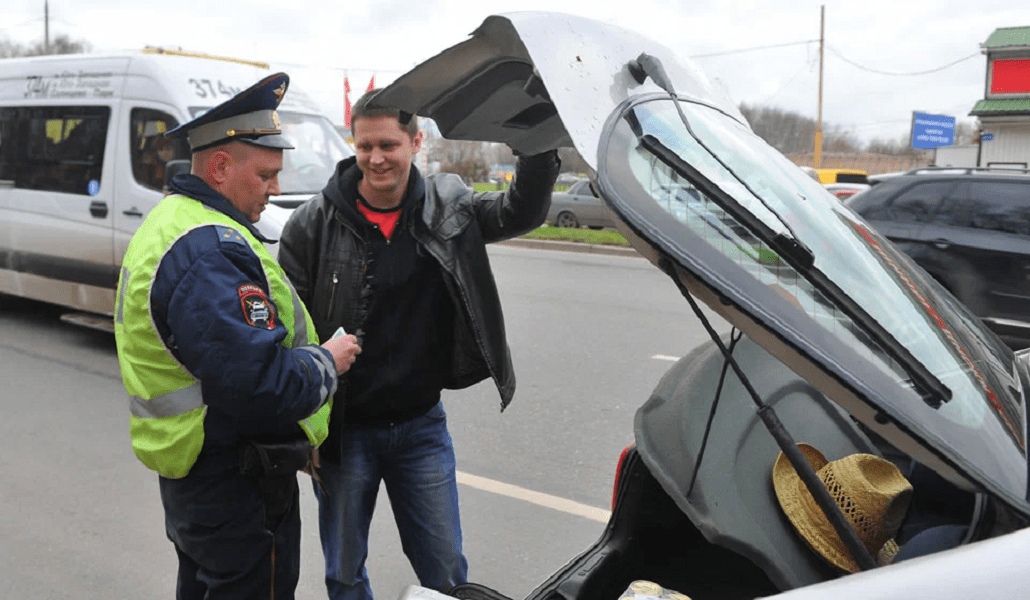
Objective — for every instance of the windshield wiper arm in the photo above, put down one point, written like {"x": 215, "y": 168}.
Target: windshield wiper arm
{"x": 794, "y": 252}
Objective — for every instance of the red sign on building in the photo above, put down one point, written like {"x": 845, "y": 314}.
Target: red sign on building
{"x": 1010, "y": 76}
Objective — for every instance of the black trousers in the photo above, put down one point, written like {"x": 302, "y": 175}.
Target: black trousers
{"x": 230, "y": 546}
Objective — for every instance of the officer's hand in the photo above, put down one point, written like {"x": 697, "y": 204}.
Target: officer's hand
{"x": 344, "y": 350}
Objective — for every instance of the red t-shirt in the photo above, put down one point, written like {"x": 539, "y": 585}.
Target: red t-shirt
{"x": 384, "y": 219}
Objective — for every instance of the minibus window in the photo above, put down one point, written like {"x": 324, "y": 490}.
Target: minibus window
{"x": 54, "y": 148}
{"x": 150, "y": 149}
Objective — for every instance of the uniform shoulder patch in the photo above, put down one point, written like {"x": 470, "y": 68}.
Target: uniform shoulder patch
{"x": 257, "y": 310}
{"x": 228, "y": 235}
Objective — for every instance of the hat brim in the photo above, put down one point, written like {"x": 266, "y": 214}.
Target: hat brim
{"x": 276, "y": 142}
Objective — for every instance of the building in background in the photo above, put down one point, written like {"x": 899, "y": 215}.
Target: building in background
{"x": 1004, "y": 112}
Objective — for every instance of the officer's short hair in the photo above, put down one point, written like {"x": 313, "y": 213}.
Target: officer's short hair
{"x": 361, "y": 110}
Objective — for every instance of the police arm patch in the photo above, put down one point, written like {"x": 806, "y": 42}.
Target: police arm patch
{"x": 257, "y": 310}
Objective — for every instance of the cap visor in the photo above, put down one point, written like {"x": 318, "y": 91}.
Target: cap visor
{"x": 269, "y": 141}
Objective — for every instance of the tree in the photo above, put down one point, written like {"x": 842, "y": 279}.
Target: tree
{"x": 571, "y": 161}
{"x": 966, "y": 133}
{"x": 467, "y": 159}
{"x": 899, "y": 146}
{"x": 786, "y": 131}
{"x": 61, "y": 44}
{"x": 793, "y": 133}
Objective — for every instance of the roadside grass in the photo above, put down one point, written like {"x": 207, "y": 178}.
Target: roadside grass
{"x": 486, "y": 186}
{"x": 604, "y": 237}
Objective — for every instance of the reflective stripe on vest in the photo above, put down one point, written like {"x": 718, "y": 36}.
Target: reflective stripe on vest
{"x": 166, "y": 402}
{"x": 167, "y": 405}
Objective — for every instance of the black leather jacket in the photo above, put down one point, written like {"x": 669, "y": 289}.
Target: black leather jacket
{"x": 323, "y": 253}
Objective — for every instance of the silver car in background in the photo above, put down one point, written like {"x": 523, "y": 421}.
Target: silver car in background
{"x": 579, "y": 206}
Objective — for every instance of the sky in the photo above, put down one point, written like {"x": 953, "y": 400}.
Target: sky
{"x": 882, "y": 59}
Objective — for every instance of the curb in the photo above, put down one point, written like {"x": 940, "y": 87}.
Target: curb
{"x": 571, "y": 247}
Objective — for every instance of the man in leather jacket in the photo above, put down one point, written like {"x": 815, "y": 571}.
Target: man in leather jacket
{"x": 400, "y": 261}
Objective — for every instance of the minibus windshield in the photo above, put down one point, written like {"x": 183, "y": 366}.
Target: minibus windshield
{"x": 317, "y": 147}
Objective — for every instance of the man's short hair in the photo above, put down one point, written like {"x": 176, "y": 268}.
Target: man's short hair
{"x": 361, "y": 110}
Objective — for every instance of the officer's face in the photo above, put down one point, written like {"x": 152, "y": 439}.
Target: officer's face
{"x": 384, "y": 151}
{"x": 252, "y": 176}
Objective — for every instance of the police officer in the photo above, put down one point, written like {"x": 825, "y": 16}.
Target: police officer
{"x": 229, "y": 391}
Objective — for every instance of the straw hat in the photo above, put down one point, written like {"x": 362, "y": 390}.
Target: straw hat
{"x": 871, "y": 492}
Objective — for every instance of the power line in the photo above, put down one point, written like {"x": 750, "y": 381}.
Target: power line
{"x": 895, "y": 74}
{"x": 840, "y": 56}
{"x": 29, "y": 22}
{"x": 742, "y": 50}
{"x": 805, "y": 67}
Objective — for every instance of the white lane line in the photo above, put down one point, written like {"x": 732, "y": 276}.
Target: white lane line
{"x": 665, "y": 357}
{"x": 539, "y": 498}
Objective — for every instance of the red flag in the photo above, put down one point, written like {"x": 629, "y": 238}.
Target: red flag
{"x": 371, "y": 83}
{"x": 346, "y": 101}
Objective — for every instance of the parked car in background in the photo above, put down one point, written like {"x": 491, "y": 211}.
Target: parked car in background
{"x": 565, "y": 180}
{"x": 839, "y": 175}
{"x": 842, "y": 183}
{"x": 843, "y": 191}
{"x": 881, "y": 177}
{"x": 970, "y": 230}
{"x": 578, "y": 206}
{"x": 838, "y": 339}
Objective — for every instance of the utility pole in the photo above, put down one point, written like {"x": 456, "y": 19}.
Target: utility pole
{"x": 46, "y": 26}
{"x": 817, "y": 154}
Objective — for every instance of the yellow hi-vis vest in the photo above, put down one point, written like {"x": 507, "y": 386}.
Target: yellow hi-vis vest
{"x": 167, "y": 407}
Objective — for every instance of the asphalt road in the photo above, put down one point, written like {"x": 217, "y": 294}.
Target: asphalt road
{"x": 591, "y": 335}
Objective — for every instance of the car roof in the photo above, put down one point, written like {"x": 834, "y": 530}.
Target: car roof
{"x": 889, "y": 184}
{"x": 968, "y": 172}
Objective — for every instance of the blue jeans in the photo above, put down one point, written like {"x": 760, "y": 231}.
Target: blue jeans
{"x": 416, "y": 461}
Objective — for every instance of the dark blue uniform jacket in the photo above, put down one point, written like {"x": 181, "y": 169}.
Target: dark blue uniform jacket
{"x": 203, "y": 302}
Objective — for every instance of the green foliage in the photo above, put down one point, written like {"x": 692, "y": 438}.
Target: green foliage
{"x": 604, "y": 237}
{"x": 487, "y": 186}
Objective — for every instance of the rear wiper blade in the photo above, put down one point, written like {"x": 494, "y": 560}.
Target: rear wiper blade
{"x": 788, "y": 247}
{"x": 794, "y": 252}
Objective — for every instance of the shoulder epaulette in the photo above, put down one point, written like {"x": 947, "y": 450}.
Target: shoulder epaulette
{"x": 229, "y": 235}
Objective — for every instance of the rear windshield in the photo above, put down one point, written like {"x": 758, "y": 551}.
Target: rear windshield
{"x": 717, "y": 190}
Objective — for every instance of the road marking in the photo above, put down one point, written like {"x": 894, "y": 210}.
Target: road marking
{"x": 539, "y": 498}
{"x": 665, "y": 357}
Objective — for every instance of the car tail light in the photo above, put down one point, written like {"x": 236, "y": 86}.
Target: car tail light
{"x": 845, "y": 194}
{"x": 618, "y": 472}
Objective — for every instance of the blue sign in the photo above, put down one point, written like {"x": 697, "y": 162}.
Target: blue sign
{"x": 932, "y": 131}
{"x": 986, "y": 137}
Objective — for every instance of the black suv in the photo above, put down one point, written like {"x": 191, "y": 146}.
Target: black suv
{"x": 970, "y": 229}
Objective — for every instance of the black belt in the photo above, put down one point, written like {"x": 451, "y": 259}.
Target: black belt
{"x": 274, "y": 467}
{"x": 274, "y": 459}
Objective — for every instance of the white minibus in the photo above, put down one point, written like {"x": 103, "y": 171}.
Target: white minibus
{"x": 83, "y": 159}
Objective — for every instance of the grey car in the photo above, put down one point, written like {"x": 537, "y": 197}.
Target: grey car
{"x": 970, "y": 230}
{"x": 579, "y": 206}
